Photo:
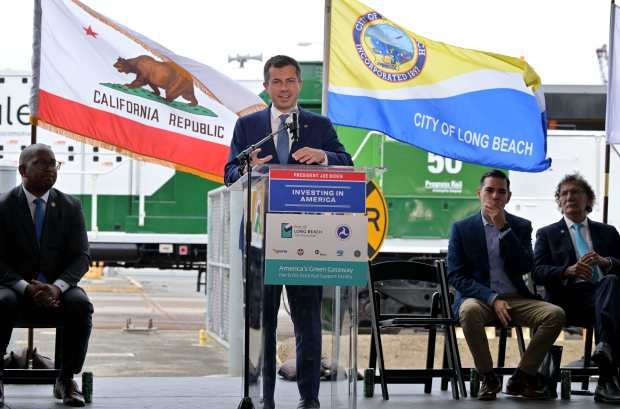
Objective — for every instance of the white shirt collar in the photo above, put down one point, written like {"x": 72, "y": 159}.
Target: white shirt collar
{"x": 275, "y": 112}
{"x": 30, "y": 197}
{"x": 569, "y": 222}
{"x": 484, "y": 220}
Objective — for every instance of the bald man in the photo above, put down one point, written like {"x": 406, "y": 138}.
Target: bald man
{"x": 43, "y": 255}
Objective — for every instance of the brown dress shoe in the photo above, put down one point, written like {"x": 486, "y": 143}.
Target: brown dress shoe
{"x": 489, "y": 386}
{"x": 68, "y": 391}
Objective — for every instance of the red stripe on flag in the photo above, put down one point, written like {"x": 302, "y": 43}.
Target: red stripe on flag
{"x": 203, "y": 156}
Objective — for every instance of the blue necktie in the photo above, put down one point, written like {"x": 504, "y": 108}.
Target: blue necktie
{"x": 282, "y": 142}
{"x": 583, "y": 248}
{"x": 39, "y": 217}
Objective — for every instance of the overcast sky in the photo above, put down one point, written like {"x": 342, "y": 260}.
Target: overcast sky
{"x": 558, "y": 38}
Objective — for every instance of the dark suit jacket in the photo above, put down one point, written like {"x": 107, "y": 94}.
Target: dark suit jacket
{"x": 315, "y": 131}
{"x": 468, "y": 260}
{"x": 554, "y": 252}
{"x": 63, "y": 251}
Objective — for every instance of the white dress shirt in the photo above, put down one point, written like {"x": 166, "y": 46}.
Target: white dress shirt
{"x": 275, "y": 125}
{"x": 21, "y": 285}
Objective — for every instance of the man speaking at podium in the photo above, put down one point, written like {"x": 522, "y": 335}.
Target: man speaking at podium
{"x": 314, "y": 143}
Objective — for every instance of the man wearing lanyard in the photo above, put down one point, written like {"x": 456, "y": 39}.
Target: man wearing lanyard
{"x": 578, "y": 262}
{"x": 43, "y": 255}
{"x": 317, "y": 144}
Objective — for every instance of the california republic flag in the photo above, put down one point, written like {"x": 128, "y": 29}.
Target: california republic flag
{"x": 98, "y": 81}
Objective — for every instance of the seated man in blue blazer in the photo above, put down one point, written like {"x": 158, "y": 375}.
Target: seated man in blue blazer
{"x": 488, "y": 254}
{"x": 578, "y": 262}
{"x": 317, "y": 145}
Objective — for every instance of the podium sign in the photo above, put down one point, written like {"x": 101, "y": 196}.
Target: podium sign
{"x": 309, "y": 227}
{"x": 307, "y": 249}
{"x": 317, "y": 191}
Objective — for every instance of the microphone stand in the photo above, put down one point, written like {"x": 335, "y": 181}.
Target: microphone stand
{"x": 243, "y": 159}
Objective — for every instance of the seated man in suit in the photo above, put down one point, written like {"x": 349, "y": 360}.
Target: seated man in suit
{"x": 317, "y": 145}
{"x": 43, "y": 255}
{"x": 578, "y": 262}
{"x": 488, "y": 254}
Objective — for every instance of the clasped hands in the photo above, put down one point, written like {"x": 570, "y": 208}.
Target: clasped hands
{"x": 43, "y": 295}
{"x": 583, "y": 267}
{"x": 305, "y": 155}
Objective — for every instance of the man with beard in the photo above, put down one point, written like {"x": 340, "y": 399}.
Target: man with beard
{"x": 43, "y": 255}
{"x": 488, "y": 254}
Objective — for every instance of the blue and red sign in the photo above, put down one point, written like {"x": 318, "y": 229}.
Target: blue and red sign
{"x": 317, "y": 191}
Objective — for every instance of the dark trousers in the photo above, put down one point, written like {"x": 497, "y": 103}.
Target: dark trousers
{"x": 597, "y": 304}
{"x": 305, "y": 305}
{"x": 75, "y": 311}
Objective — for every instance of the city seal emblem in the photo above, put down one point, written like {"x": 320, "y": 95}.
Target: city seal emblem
{"x": 386, "y": 50}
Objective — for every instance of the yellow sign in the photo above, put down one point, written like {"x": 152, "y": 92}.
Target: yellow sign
{"x": 376, "y": 209}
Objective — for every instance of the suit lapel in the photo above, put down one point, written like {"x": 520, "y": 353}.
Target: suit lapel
{"x": 596, "y": 236}
{"x": 25, "y": 218}
{"x": 566, "y": 243}
{"x": 269, "y": 148}
{"x": 303, "y": 128}
{"x": 481, "y": 240}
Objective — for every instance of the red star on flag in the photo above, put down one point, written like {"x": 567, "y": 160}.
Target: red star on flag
{"x": 89, "y": 32}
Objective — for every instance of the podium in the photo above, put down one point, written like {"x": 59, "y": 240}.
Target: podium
{"x": 308, "y": 228}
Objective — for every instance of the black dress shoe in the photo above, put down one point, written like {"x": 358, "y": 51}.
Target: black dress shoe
{"x": 308, "y": 404}
{"x": 1, "y": 393}
{"x": 602, "y": 356}
{"x": 607, "y": 392}
{"x": 489, "y": 386}
{"x": 68, "y": 391}
{"x": 526, "y": 386}
{"x": 268, "y": 404}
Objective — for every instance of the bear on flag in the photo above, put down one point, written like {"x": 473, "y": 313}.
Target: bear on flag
{"x": 100, "y": 82}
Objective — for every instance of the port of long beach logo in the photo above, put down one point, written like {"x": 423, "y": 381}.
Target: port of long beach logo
{"x": 386, "y": 50}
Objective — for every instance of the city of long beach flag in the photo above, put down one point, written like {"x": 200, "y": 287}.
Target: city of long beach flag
{"x": 100, "y": 82}
{"x": 469, "y": 105}
{"x": 612, "y": 123}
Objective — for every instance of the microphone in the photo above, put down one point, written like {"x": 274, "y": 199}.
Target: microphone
{"x": 294, "y": 127}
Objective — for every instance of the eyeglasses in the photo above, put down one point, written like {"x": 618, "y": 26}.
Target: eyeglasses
{"x": 46, "y": 164}
{"x": 572, "y": 192}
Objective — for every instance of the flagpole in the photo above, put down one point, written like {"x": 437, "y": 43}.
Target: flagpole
{"x": 326, "y": 37}
{"x": 33, "y": 130}
{"x": 612, "y": 19}
{"x": 36, "y": 71}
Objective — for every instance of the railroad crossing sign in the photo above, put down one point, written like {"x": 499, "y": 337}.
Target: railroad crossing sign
{"x": 376, "y": 208}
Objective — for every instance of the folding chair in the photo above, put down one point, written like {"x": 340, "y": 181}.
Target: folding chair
{"x": 500, "y": 369}
{"x": 440, "y": 317}
{"x": 580, "y": 374}
{"x": 37, "y": 376}
{"x": 583, "y": 373}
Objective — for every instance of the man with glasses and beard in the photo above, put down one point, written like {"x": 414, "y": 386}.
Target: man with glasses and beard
{"x": 43, "y": 255}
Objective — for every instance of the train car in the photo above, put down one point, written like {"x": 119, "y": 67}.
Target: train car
{"x": 142, "y": 214}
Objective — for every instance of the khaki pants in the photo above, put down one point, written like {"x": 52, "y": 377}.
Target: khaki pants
{"x": 544, "y": 318}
